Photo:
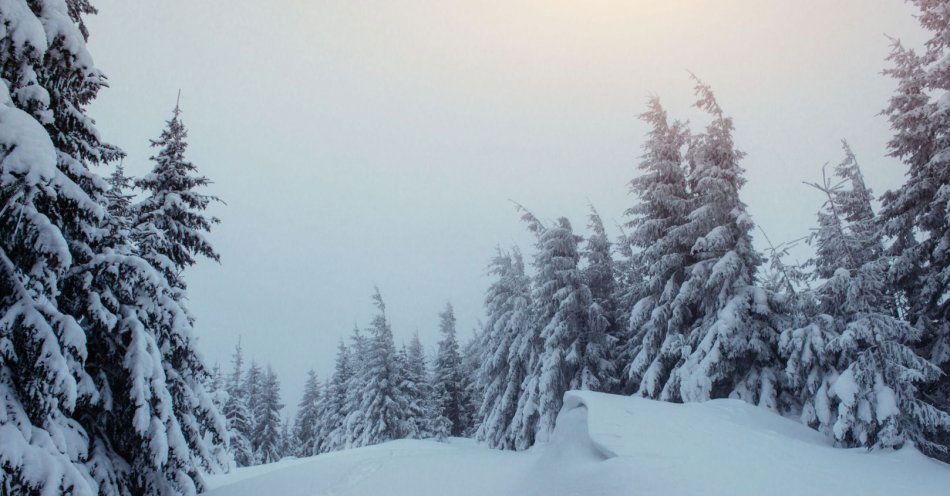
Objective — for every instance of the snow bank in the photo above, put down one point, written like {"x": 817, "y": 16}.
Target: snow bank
{"x": 720, "y": 447}
{"x": 605, "y": 445}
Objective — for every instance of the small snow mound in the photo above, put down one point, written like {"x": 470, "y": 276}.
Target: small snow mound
{"x": 571, "y": 441}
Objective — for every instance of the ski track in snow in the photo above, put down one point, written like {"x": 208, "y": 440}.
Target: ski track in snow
{"x": 607, "y": 445}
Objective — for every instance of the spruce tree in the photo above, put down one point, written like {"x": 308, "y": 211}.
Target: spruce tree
{"x": 90, "y": 326}
{"x": 414, "y": 425}
{"x": 306, "y": 431}
{"x": 170, "y": 223}
{"x": 267, "y": 421}
{"x": 562, "y": 301}
{"x": 730, "y": 339}
{"x": 914, "y": 216}
{"x": 506, "y": 350}
{"x": 355, "y": 386}
{"x": 448, "y": 382}
{"x": 422, "y": 406}
{"x": 471, "y": 360}
{"x": 659, "y": 247}
{"x": 252, "y": 390}
{"x": 600, "y": 353}
{"x": 169, "y": 226}
{"x": 868, "y": 375}
{"x": 333, "y": 413}
{"x": 236, "y": 413}
{"x": 240, "y": 427}
{"x": 382, "y": 404}
{"x": 42, "y": 375}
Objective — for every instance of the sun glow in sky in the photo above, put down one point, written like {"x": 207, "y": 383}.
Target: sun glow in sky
{"x": 362, "y": 142}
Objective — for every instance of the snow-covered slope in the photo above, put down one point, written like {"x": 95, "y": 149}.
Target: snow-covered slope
{"x": 720, "y": 447}
{"x": 612, "y": 445}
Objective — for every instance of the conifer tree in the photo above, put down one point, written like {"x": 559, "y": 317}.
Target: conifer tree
{"x": 914, "y": 216}
{"x": 216, "y": 386}
{"x": 236, "y": 413}
{"x": 170, "y": 222}
{"x": 333, "y": 412}
{"x": 660, "y": 251}
{"x": 88, "y": 388}
{"x": 383, "y": 405}
{"x": 865, "y": 383}
{"x": 600, "y": 347}
{"x": 471, "y": 361}
{"x": 419, "y": 390}
{"x": 731, "y": 340}
{"x": 562, "y": 301}
{"x": 253, "y": 390}
{"x": 161, "y": 225}
{"x": 353, "y": 422}
{"x": 448, "y": 382}
{"x": 267, "y": 438}
{"x": 169, "y": 226}
{"x": 414, "y": 425}
{"x": 506, "y": 350}
{"x": 306, "y": 431}
{"x": 240, "y": 427}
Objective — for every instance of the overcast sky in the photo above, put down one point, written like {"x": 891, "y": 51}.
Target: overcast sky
{"x": 362, "y": 142}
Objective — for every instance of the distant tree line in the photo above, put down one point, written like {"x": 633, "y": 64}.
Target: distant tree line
{"x": 377, "y": 393}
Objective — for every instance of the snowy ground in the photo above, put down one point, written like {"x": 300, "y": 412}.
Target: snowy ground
{"x": 612, "y": 445}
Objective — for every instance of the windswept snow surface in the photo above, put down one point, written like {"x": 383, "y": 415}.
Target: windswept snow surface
{"x": 612, "y": 445}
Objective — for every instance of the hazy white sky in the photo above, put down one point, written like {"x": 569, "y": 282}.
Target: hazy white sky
{"x": 366, "y": 142}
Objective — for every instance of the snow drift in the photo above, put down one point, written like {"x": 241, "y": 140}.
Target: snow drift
{"x": 613, "y": 445}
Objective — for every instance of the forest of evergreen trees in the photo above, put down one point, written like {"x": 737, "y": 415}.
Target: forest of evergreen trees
{"x": 376, "y": 393}
{"x": 103, "y": 392}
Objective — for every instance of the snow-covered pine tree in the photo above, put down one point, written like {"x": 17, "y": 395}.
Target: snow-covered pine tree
{"x": 217, "y": 388}
{"x": 253, "y": 389}
{"x": 562, "y": 301}
{"x": 267, "y": 421}
{"x": 419, "y": 390}
{"x": 414, "y": 425}
{"x": 383, "y": 405}
{"x": 659, "y": 249}
{"x": 812, "y": 365}
{"x": 599, "y": 274}
{"x": 168, "y": 227}
{"x": 914, "y": 216}
{"x": 333, "y": 408}
{"x": 170, "y": 222}
{"x": 96, "y": 411}
{"x": 507, "y": 350}
{"x": 236, "y": 413}
{"x": 866, "y": 380}
{"x": 471, "y": 360}
{"x": 448, "y": 382}
{"x": 353, "y": 422}
{"x": 43, "y": 349}
{"x": 524, "y": 423}
{"x": 804, "y": 337}
{"x": 731, "y": 340}
{"x": 306, "y": 430}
